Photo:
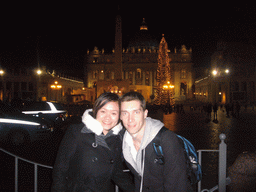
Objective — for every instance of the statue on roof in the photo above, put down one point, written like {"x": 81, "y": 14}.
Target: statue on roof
{"x": 143, "y": 25}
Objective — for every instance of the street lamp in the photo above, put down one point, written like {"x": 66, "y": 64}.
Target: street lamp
{"x": 214, "y": 72}
{"x": 117, "y": 90}
{"x": 220, "y": 75}
{"x": 56, "y": 86}
{"x": 220, "y": 72}
{"x": 2, "y": 92}
{"x": 168, "y": 86}
{"x": 39, "y": 72}
{"x": 1, "y": 72}
{"x": 38, "y": 84}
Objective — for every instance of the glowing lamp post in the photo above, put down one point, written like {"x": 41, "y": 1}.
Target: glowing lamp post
{"x": 168, "y": 87}
{"x": 38, "y": 84}
{"x": 56, "y": 87}
{"x": 2, "y": 93}
{"x": 39, "y": 72}
{"x": 1, "y": 72}
{"x": 214, "y": 72}
{"x": 219, "y": 74}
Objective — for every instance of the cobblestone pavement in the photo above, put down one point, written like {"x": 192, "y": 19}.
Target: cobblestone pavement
{"x": 204, "y": 134}
{"x": 240, "y": 132}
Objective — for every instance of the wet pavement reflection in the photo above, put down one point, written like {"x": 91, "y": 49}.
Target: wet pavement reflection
{"x": 193, "y": 125}
{"x": 204, "y": 134}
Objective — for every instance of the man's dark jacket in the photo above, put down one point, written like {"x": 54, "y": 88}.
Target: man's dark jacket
{"x": 170, "y": 177}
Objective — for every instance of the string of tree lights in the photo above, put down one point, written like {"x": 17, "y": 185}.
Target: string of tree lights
{"x": 164, "y": 77}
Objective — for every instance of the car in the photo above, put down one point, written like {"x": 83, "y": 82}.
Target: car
{"x": 86, "y": 103}
{"x": 18, "y": 129}
{"x": 45, "y": 109}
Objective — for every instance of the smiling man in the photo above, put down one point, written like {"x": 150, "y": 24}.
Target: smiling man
{"x": 139, "y": 154}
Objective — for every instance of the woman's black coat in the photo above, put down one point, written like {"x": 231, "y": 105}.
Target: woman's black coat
{"x": 80, "y": 166}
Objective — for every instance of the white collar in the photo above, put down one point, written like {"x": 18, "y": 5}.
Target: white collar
{"x": 95, "y": 126}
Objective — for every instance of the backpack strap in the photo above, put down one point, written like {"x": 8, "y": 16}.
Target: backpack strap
{"x": 158, "y": 148}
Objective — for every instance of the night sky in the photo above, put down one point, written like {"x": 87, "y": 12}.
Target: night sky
{"x": 58, "y": 35}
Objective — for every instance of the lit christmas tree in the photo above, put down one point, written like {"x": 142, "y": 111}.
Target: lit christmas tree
{"x": 163, "y": 93}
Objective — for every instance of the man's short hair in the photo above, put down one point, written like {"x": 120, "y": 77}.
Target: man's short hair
{"x": 131, "y": 96}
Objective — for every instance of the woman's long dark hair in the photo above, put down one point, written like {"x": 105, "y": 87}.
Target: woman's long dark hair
{"x": 102, "y": 100}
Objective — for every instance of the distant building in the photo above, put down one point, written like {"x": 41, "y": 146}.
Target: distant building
{"x": 231, "y": 77}
{"x": 27, "y": 84}
{"x": 135, "y": 67}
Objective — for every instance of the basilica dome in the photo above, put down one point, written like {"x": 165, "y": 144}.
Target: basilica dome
{"x": 143, "y": 39}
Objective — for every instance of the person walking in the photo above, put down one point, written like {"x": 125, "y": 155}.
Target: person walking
{"x": 139, "y": 154}
{"x": 237, "y": 109}
{"x": 90, "y": 154}
{"x": 227, "y": 107}
{"x": 215, "y": 109}
{"x": 209, "y": 110}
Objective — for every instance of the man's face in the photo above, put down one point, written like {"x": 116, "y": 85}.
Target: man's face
{"x": 133, "y": 116}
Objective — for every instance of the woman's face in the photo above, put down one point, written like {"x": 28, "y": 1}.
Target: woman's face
{"x": 108, "y": 116}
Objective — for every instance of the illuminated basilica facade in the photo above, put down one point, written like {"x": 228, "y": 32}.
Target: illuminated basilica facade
{"x": 134, "y": 68}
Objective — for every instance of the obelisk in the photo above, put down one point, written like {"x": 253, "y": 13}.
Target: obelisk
{"x": 118, "y": 49}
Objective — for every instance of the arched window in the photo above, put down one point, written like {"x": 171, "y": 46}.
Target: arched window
{"x": 107, "y": 74}
{"x": 95, "y": 74}
{"x": 138, "y": 73}
{"x": 235, "y": 86}
{"x": 95, "y": 60}
{"x": 112, "y": 75}
{"x": 138, "y": 77}
{"x": 183, "y": 88}
{"x": 130, "y": 77}
{"x": 183, "y": 74}
{"x": 147, "y": 78}
{"x": 244, "y": 86}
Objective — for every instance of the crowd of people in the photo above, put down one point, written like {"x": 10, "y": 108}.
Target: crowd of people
{"x": 167, "y": 108}
{"x": 231, "y": 109}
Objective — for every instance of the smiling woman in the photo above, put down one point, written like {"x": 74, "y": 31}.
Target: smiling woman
{"x": 93, "y": 149}
{"x": 108, "y": 116}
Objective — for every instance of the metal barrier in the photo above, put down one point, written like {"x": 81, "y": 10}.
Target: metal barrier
{"x": 223, "y": 181}
{"x": 17, "y": 167}
{"x": 35, "y": 170}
